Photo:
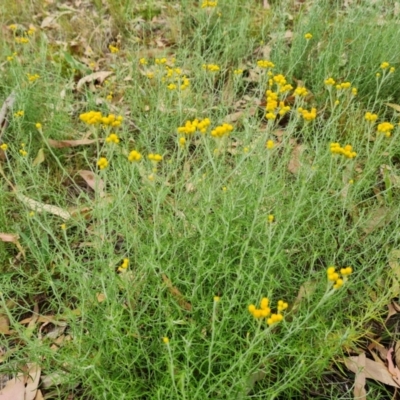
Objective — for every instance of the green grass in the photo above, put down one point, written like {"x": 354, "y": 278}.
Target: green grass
{"x": 198, "y": 227}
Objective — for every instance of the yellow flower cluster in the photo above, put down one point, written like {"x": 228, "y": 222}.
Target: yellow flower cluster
{"x": 265, "y": 64}
{"x": 385, "y": 128}
{"x": 155, "y": 157}
{"x": 301, "y": 91}
{"x": 206, "y": 4}
{"x": 160, "y": 61}
{"x": 96, "y": 117}
{"x": 334, "y": 276}
{"x": 272, "y": 107}
{"x": 308, "y": 115}
{"x": 19, "y": 113}
{"x": 238, "y": 71}
{"x": 371, "y": 117}
{"x": 124, "y": 266}
{"x": 265, "y": 311}
{"x": 222, "y": 130}
{"x": 346, "y": 151}
{"x": 113, "y": 49}
{"x": 21, "y": 40}
{"x": 211, "y": 67}
{"x": 102, "y": 163}
{"x": 113, "y": 138}
{"x": 330, "y": 82}
{"x": 4, "y": 146}
{"x": 134, "y": 156}
{"x": 343, "y": 85}
{"x": 191, "y": 126}
{"x": 385, "y": 65}
{"x": 308, "y": 36}
{"x": 13, "y": 27}
{"x": 33, "y": 77}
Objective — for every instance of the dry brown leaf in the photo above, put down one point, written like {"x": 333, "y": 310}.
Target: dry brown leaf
{"x": 391, "y": 311}
{"x": 39, "y": 395}
{"x": 397, "y": 353}
{"x": 372, "y": 370}
{"x": 12, "y": 238}
{"x": 50, "y": 22}
{"x": 392, "y": 368}
{"x": 60, "y": 144}
{"x": 100, "y": 76}
{"x": 394, "y": 106}
{"x": 32, "y": 382}
{"x": 378, "y": 218}
{"x": 14, "y": 389}
{"x": 176, "y": 293}
{"x": 40, "y": 207}
{"x": 100, "y": 297}
{"x": 382, "y": 350}
{"x": 39, "y": 158}
{"x": 93, "y": 181}
{"x": 359, "y": 383}
{"x": 4, "y": 324}
{"x": 294, "y": 162}
{"x": 7, "y": 105}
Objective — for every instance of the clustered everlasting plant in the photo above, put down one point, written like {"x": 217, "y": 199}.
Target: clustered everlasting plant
{"x": 192, "y": 158}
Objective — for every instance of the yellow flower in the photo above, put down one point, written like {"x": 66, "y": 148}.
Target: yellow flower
{"x": 308, "y": 115}
{"x": 346, "y": 151}
{"x": 330, "y": 82}
{"x": 210, "y": 4}
{"x": 38, "y": 125}
{"x": 12, "y": 27}
{"x": 165, "y": 340}
{"x": 109, "y": 96}
{"x": 155, "y": 157}
{"x": 354, "y": 91}
{"x": 265, "y": 64}
{"x": 21, "y": 40}
{"x": 217, "y": 299}
{"x": 385, "y": 128}
{"x": 112, "y": 138}
{"x": 270, "y": 116}
{"x": 222, "y": 130}
{"x": 346, "y": 271}
{"x": 385, "y": 65}
{"x": 150, "y": 75}
{"x": 238, "y": 71}
{"x": 31, "y": 31}
{"x": 102, "y": 163}
{"x": 159, "y": 61}
{"x": 182, "y": 141}
{"x": 4, "y": 146}
{"x": 171, "y": 86}
{"x": 134, "y": 156}
{"x": 301, "y": 91}
{"x": 211, "y": 67}
{"x": 282, "y": 305}
{"x": 23, "y": 152}
{"x": 338, "y": 284}
{"x": 143, "y": 61}
{"x": 270, "y": 144}
{"x": 113, "y": 49}
{"x": 63, "y": 227}
{"x": 392, "y": 69}
{"x": 33, "y": 78}
{"x": 371, "y": 117}
{"x": 31, "y": 214}
{"x": 308, "y": 36}
{"x": 271, "y": 218}
{"x": 337, "y": 102}
{"x": 275, "y": 318}
{"x": 19, "y": 113}
{"x": 124, "y": 265}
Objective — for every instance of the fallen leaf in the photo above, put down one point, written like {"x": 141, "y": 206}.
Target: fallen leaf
{"x": 4, "y": 324}
{"x": 294, "y": 162}
{"x": 391, "y": 311}
{"x": 359, "y": 383}
{"x": 40, "y": 207}
{"x": 100, "y": 76}
{"x": 377, "y": 219}
{"x": 39, "y": 395}
{"x": 7, "y": 105}
{"x": 397, "y": 353}
{"x": 382, "y": 350}
{"x": 14, "y": 389}
{"x": 93, "y": 181}
{"x": 394, "y": 264}
{"x": 100, "y": 297}
{"x": 392, "y": 368}
{"x": 60, "y": 144}
{"x": 176, "y": 293}
{"x": 32, "y": 382}
{"x": 394, "y": 106}
{"x": 372, "y": 370}
{"x": 39, "y": 158}
{"x": 50, "y": 23}
{"x": 12, "y": 238}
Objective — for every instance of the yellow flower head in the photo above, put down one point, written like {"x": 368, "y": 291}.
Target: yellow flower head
{"x": 38, "y": 125}
{"x": 385, "y": 65}
{"x": 134, "y": 156}
{"x": 211, "y": 67}
{"x": 155, "y": 157}
{"x": 113, "y": 138}
{"x": 330, "y": 82}
{"x": 265, "y": 64}
{"x": 113, "y": 49}
{"x": 165, "y": 340}
{"x": 4, "y": 146}
{"x": 102, "y": 163}
{"x": 308, "y": 36}
{"x": 270, "y": 144}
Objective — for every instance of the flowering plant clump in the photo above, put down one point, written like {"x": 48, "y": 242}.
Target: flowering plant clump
{"x": 211, "y": 67}
{"x": 265, "y": 311}
{"x": 334, "y": 276}
{"x": 222, "y": 130}
{"x": 274, "y": 108}
{"x": 308, "y": 115}
{"x": 385, "y": 128}
{"x": 346, "y": 151}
